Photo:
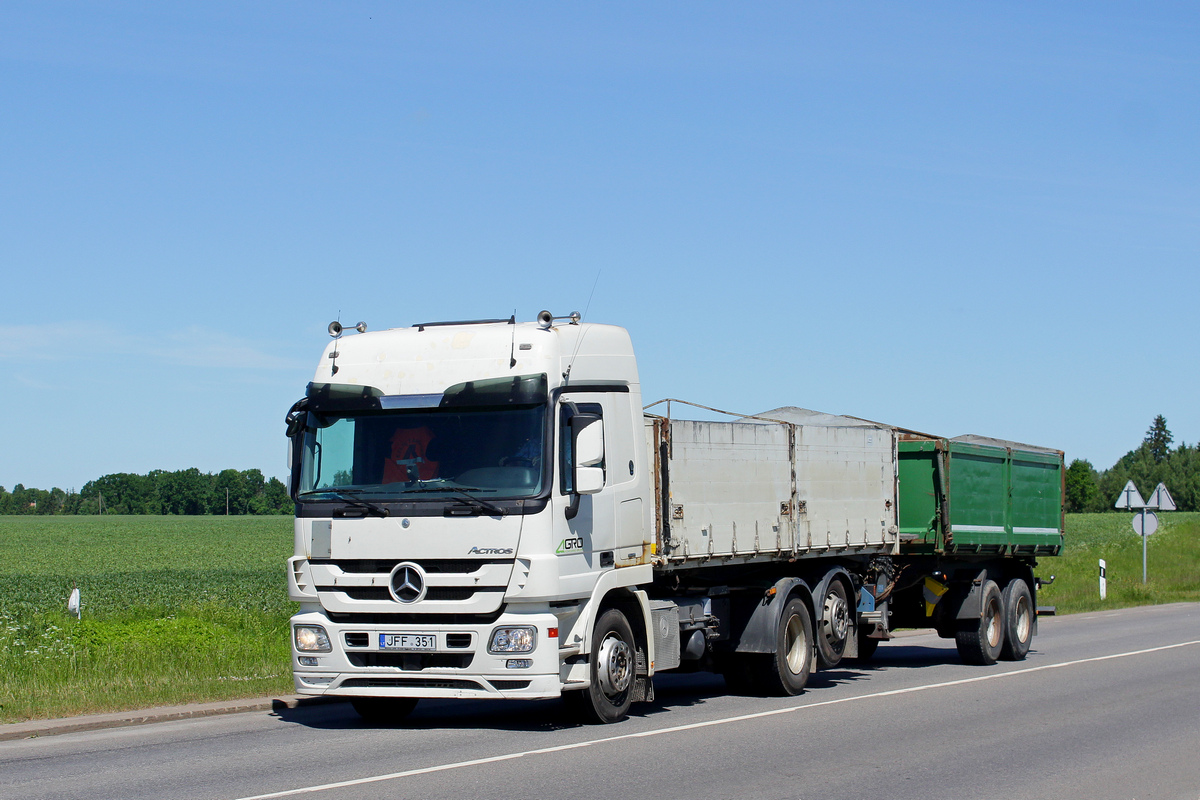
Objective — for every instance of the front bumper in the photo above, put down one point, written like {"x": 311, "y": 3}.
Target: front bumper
{"x": 459, "y": 666}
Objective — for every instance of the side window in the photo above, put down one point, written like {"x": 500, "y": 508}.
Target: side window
{"x": 566, "y": 457}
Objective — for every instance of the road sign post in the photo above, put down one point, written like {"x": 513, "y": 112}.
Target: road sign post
{"x": 1145, "y": 522}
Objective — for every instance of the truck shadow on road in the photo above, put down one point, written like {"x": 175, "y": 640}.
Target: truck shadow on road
{"x": 673, "y": 692}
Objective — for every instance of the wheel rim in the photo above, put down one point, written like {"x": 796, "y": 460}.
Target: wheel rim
{"x": 614, "y": 665}
{"x": 1024, "y": 619}
{"x": 797, "y": 645}
{"x": 835, "y": 622}
{"x": 995, "y": 627}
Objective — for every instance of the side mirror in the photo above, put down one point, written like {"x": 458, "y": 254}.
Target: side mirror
{"x": 587, "y": 431}
{"x": 589, "y": 480}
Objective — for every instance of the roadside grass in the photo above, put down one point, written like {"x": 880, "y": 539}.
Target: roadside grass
{"x": 175, "y": 610}
{"x": 1172, "y": 558}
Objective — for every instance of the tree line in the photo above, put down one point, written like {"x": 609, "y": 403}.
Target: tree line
{"x": 1153, "y": 462}
{"x": 190, "y": 491}
{"x": 185, "y": 491}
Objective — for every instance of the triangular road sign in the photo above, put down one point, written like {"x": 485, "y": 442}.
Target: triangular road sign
{"x": 1161, "y": 499}
{"x": 1130, "y": 497}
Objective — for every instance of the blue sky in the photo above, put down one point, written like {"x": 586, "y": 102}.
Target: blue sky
{"x": 959, "y": 218}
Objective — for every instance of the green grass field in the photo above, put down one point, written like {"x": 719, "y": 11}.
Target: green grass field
{"x": 182, "y": 609}
{"x": 1173, "y": 563}
{"x": 175, "y": 610}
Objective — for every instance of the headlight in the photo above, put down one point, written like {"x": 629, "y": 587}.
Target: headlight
{"x": 513, "y": 640}
{"x": 312, "y": 639}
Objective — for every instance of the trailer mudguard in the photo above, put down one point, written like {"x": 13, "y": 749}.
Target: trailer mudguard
{"x": 759, "y": 634}
{"x": 971, "y": 604}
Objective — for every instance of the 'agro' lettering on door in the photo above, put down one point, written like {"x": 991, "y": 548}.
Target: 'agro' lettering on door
{"x": 570, "y": 546}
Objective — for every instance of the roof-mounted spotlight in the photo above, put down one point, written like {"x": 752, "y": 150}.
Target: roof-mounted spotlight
{"x": 335, "y": 328}
{"x": 545, "y": 319}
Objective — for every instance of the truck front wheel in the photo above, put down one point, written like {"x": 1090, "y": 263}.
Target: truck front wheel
{"x": 613, "y": 671}
{"x": 979, "y": 641}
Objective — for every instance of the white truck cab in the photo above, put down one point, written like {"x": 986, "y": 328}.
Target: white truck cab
{"x": 464, "y": 492}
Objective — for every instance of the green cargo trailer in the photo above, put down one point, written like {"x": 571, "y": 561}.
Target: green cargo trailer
{"x": 971, "y": 495}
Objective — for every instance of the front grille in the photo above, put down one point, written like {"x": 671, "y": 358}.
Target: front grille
{"x": 412, "y": 683}
{"x": 443, "y": 566}
{"x": 434, "y": 593}
{"x": 458, "y": 640}
{"x": 412, "y": 662}
{"x": 415, "y": 619}
{"x": 358, "y": 639}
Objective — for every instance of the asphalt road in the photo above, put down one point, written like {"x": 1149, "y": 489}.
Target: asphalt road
{"x": 1107, "y": 705}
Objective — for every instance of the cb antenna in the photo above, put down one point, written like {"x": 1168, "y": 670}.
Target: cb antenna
{"x": 592, "y": 292}
{"x": 579, "y": 341}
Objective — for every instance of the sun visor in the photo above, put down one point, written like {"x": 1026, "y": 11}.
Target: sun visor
{"x": 517, "y": 390}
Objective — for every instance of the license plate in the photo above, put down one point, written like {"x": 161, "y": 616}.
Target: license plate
{"x": 407, "y": 641}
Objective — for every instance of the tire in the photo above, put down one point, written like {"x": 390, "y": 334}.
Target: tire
{"x": 979, "y": 641}
{"x": 1018, "y": 620}
{"x": 835, "y": 627}
{"x": 785, "y": 672}
{"x": 383, "y": 710}
{"x": 866, "y": 648}
{"x": 613, "y": 672}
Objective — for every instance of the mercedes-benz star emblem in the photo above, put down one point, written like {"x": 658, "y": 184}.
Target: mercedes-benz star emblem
{"x": 407, "y": 582}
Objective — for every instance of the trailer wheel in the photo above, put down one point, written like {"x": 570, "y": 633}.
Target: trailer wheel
{"x": 835, "y": 626}
{"x": 383, "y": 710}
{"x": 979, "y": 641}
{"x": 785, "y": 672}
{"x": 613, "y": 667}
{"x": 866, "y": 648}
{"x": 1018, "y": 620}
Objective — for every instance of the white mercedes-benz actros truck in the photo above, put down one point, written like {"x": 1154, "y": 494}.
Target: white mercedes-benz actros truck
{"x": 485, "y": 510}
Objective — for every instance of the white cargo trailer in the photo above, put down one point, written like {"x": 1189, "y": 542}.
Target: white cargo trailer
{"x": 484, "y": 509}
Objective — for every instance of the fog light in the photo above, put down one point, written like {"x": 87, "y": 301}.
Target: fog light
{"x": 513, "y": 640}
{"x": 312, "y": 638}
{"x": 308, "y": 661}
{"x": 519, "y": 663}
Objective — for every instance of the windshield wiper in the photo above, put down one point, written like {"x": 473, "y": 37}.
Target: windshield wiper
{"x": 464, "y": 497}
{"x": 478, "y": 502}
{"x": 345, "y": 496}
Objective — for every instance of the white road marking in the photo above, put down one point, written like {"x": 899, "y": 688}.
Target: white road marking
{"x": 710, "y": 723}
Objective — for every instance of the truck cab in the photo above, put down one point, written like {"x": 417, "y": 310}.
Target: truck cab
{"x": 463, "y": 491}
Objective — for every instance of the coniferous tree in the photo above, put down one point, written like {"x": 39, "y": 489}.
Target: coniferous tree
{"x": 1158, "y": 439}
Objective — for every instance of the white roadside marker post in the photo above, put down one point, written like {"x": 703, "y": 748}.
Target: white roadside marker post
{"x": 1103, "y": 581}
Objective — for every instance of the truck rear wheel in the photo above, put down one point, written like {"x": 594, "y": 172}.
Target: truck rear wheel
{"x": 613, "y": 671}
{"x": 979, "y": 641}
{"x": 1018, "y": 620}
{"x": 834, "y": 627}
{"x": 785, "y": 672}
{"x": 383, "y": 710}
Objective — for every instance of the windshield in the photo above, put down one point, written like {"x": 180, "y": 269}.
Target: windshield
{"x": 497, "y": 452}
